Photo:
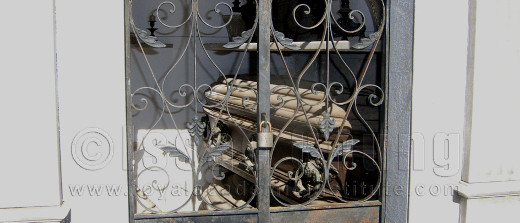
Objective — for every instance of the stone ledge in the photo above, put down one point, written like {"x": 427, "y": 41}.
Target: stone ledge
{"x": 489, "y": 189}
{"x": 36, "y": 214}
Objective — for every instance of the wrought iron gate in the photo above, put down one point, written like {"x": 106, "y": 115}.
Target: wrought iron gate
{"x": 301, "y": 144}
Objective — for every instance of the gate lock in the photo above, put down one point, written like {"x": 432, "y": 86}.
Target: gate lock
{"x": 265, "y": 139}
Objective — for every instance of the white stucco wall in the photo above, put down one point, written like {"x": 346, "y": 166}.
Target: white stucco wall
{"x": 465, "y": 78}
{"x": 491, "y": 174}
{"x": 493, "y": 153}
{"x": 90, "y": 40}
{"x": 85, "y": 70}
{"x": 29, "y": 162}
{"x": 439, "y": 81}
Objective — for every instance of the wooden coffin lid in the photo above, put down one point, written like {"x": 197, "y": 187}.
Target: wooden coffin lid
{"x": 244, "y": 96}
{"x": 287, "y": 136}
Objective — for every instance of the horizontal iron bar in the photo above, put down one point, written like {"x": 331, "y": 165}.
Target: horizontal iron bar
{"x": 312, "y": 208}
{"x": 200, "y": 213}
{"x": 254, "y": 211}
{"x": 368, "y": 214}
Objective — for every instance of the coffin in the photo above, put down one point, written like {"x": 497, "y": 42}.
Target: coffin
{"x": 242, "y": 115}
{"x": 284, "y": 106}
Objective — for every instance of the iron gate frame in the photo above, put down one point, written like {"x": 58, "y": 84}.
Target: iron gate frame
{"x": 398, "y": 57}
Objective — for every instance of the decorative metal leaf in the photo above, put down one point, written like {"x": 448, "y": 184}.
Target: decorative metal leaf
{"x": 150, "y": 40}
{"x": 215, "y": 152}
{"x": 286, "y": 42}
{"x": 196, "y": 129}
{"x": 347, "y": 145}
{"x": 308, "y": 148}
{"x": 173, "y": 151}
{"x": 366, "y": 42}
{"x": 326, "y": 125}
{"x": 239, "y": 40}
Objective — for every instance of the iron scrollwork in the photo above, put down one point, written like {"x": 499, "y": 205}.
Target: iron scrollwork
{"x": 331, "y": 138}
{"x": 204, "y": 157}
{"x": 209, "y": 145}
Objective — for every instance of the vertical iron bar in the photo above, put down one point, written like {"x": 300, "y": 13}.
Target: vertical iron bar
{"x": 129, "y": 125}
{"x": 264, "y": 105}
{"x": 264, "y": 193}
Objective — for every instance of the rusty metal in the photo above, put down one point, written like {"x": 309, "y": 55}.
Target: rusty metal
{"x": 367, "y": 213}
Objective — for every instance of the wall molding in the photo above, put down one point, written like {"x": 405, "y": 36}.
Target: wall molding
{"x": 36, "y": 214}
{"x": 488, "y": 189}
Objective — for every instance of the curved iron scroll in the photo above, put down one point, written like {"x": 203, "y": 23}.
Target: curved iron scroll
{"x": 206, "y": 146}
{"x": 331, "y": 139}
